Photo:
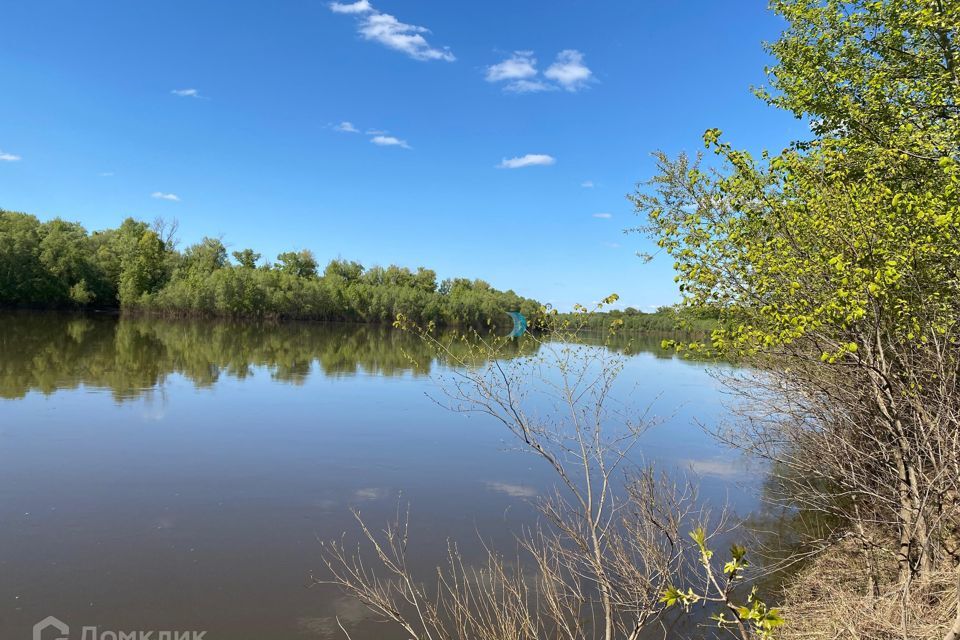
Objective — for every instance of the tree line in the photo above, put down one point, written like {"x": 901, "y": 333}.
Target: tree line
{"x": 678, "y": 319}
{"x": 137, "y": 267}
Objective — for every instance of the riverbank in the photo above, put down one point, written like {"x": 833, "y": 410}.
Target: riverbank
{"x": 844, "y": 593}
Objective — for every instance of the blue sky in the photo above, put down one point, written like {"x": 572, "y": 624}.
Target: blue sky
{"x": 487, "y": 139}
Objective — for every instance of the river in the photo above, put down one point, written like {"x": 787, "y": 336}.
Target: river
{"x": 178, "y": 475}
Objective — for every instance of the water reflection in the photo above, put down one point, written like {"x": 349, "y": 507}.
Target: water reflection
{"x": 129, "y": 356}
{"x": 46, "y": 352}
{"x": 161, "y": 474}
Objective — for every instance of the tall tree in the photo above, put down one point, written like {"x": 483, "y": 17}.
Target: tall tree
{"x": 247, "y": 258}
{"x": 301, "y": 264}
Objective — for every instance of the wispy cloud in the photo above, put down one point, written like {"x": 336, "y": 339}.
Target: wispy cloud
{"x": 160, "y": 195}
{"x": 407, "y": 38}
{"x": 187, "y": 93}
{"x": 569, "y": 70}
{"x": 390, "y": 32}
{"x": 612, "y": 245}
{"x": 106, "y": 174}
{"x": 519, "y": 72}
{"x": 529, "y": 160}
{"x": 361, "y": 6}
{"x": 528, "y": 86}
{"x": 389, "y": 141}
{"x": 379, "y": 137}
{"x": 604, "y": 216}
{"x": 9, "y": 157}
{"x": 587, "y": 184}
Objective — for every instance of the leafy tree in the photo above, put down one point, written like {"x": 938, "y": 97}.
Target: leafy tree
{"x": 833, "y": 264}
{"x": 880, "y": 76}
{"x": 64, "y": 251}
{"x": 81, "y": 294}
{"x": 142, "y": 269}
{"x": 23, "y": 279}
{"x": 115, "y": 248}
{"x": 247, "y": 258}
{"x": 349, "y": 271}
{"x": 205, "y": 257}
{"x": 134, "y": 266}
{"x": 425, "y": 279}
{"x": 301, "y": 264}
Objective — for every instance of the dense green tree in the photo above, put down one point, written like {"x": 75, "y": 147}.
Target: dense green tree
{"x": 425, "y": 279}
{"x": 203, "y": 258}
{"x": 65, "y": 255}
{"x": 135, "y": 267}
{"x": 23, "y": 279}
{"x": 300, "y": 264}
{"x": 246, "y": 258}
{"x": 50, "y": 263}
{"x": 349, "y": 271}
{"x": 142, "y": 269}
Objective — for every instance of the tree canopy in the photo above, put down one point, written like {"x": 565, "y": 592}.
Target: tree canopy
{"x": 138, "y": 267}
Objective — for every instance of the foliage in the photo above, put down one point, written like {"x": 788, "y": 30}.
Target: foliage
{"x": 246, "y": 258}
{"x": 137, "y": 267}
{"x": 752, "y": 619}
{"x": 861, "y": 220}
{"x": 833, "y": 266}
{"x": 664, "y": 320}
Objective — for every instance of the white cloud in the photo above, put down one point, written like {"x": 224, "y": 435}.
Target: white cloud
{"x": 407, "y": 38}
{"x": 9, "y": 157}
{"x": 390, "y": 32}
{"x": 605, "y": 216}
{"x": 528, "y": 86}
{"x": 361, "y": 6}
{"x": 587, "y": 184}
{"x": 519, "y": 66}
{"x": 165, "y": 196}
{"x": 389, "y": 141}
{"x": 379, "y": 137}
{"x": 106, "y": 174}
{"x": 187, "y": 93}
{"x": 569, "y": 71}
{"x": 529, "y": 160}
{"x": 520, "y": 73}
{"x": 612, "y": 245}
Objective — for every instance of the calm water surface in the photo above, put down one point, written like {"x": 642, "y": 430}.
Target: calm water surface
{"x": 178, "y": 475}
